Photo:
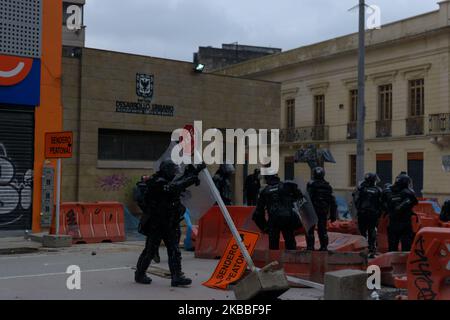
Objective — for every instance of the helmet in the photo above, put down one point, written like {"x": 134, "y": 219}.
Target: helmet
{"x": 227, "y": 169}
{"x": 169, "y": 169}
{"x": 387, "y": 186}
{"x": 403, "y": 181}
{"x": 318, "y": 173}
{"x": 371, "y": 179}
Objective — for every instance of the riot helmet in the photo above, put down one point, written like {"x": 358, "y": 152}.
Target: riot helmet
{"x": 403, "y": 181}
{"x": 318, "y": 173}
{"x": 371, "y": 179}
{"x": 169, "y": 169}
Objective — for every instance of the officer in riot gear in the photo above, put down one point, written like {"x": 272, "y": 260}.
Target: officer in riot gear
{"x": 324, "y": 202}
{"x": 445, "y": 212}
{"x": 161, "y": 221}
{"x": 278, "y": 199}
{"x": 400, "y": 200}
{"x": 139, "y": 197}
{"x": 252, "y": 187}
{"x": 367, "y": 199}
{"x": 222, "y": 180}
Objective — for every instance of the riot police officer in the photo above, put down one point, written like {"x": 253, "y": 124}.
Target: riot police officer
{"x": 252, "y": 187}
{"x": 222, "y": 180}
{"x": 400, "y": 200}
{"x": 162, "y": 217}
{"x": 445, "y": 212}
{"x": 278, "y": 199}
{"x": 367, "y": 199}
{"x": 324, "y": 202}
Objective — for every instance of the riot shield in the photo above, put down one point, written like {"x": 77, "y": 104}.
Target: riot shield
{"x": 198, "y": 199}
{"x": 306, "y": 209}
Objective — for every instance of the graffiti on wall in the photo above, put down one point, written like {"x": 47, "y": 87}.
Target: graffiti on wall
{"x": 113, "y": 183}
{"x": 15, "y": 189}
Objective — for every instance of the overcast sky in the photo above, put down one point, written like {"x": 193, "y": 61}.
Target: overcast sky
{"x": 174, "y": 29}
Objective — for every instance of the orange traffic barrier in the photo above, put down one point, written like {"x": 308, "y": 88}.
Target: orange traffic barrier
{"x": 92, "y": 222}
{"x": 428, "y": 268}
{"x": 213, "y": 231}
{"x": 70, "y": 222}
{"x": 213, "y": 235}
{"x": 347, "y": 227}
{"x": 425, "y": 207}
{"x": 392, "y": 266}
{"x": 311, "y": 265}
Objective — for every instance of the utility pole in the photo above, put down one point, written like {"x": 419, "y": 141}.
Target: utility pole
{"x": 361, "y": 93}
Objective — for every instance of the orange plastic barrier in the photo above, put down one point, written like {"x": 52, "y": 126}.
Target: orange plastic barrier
{"x": 392, "y": 266}
{"x": 425, "y": 207}
{"x": 213, "y": 232}
{"x": 428, "y": 270}
{"x": 311, "y": 265}
{"x": 213, "y": 235}
{"x": 92, "y": 222}
{"x": 347, "y": 227}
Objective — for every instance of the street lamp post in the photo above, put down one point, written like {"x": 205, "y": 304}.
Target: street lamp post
{"x": 361, "y": 94}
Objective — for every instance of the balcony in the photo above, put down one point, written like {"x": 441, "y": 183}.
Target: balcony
{"x": 384, "y": 128}
{"x": 439, "y": 123}
{"x": 352, "y": 130}
{"x": 304, "y": 134}
{"x": 415, "y": 126}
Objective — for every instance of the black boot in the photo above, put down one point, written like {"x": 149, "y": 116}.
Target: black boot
{"x": 156, "y": 258}
{"x": 142, "y": 278}
{"x": 180, "y": 281}
{"x": 324, "y": 243}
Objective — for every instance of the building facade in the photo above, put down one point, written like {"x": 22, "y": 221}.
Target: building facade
{"x": 123, "y": 108}
{"x": 230, "y": 54}
{"x": 30, "y": 106}
{"x": 407, "y": 102}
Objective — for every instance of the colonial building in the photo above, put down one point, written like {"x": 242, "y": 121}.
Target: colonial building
{"x": 407, "y": 101}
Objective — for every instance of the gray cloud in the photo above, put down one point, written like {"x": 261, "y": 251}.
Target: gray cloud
{"x": 176, "y": 28}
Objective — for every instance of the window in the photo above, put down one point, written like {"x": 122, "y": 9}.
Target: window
{"x": 416, "y": 97}
{"x": 319, "y": 110}
{"x": 352, "y": 170}
{"x": 290, "y": 113}
{"x": 354, "y": 105}
{"x": 384, "y": 168}
{"x": 126, "y": 145}
{"x": 385, "y": 102}
{"x": 289, "y": 168}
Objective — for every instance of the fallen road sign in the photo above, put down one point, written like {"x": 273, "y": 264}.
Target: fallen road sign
{"x": 232, "y": 265}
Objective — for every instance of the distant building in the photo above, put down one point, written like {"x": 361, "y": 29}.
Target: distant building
{"x": 73, "y": 32}
{"x": 229, "y": 54}
{"x": 407, "y": 102}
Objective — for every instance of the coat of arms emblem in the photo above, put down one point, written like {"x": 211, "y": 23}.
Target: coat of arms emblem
{"x": 144, "y": 85}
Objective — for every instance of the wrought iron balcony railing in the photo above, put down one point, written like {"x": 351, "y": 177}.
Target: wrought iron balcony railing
{"x": 384, "y": 128}
{"x": 439, "y": 123}
{"x": 304, "y": 134}
{"x": 415, "y": 126}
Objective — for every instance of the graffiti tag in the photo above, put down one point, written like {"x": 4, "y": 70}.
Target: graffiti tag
{"x": 113, "y": 183}
{"x": 423, "y": 281}
{"x": 15, "y": 193}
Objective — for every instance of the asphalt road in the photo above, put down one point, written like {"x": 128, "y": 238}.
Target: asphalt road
{"x": 106, "y": 273}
